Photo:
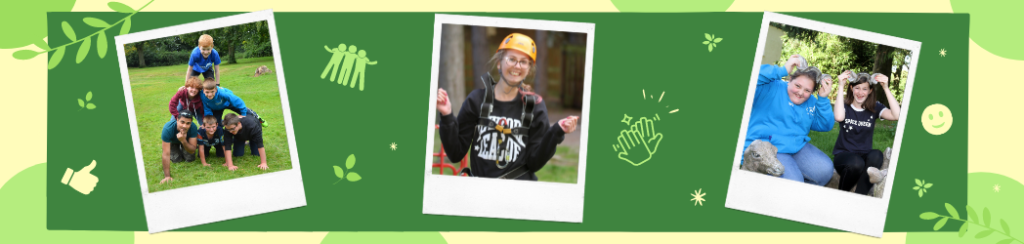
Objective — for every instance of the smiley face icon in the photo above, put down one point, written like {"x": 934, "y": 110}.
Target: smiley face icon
{"x": 936, "y": 119}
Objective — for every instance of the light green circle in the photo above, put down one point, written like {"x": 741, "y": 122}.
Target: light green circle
{"x": 24, "y": 22}
{"x": 995, "y": 25}
{"x": 23, "y": 214}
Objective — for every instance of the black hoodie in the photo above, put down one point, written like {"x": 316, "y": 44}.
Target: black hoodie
{"x": 494, "y": 154}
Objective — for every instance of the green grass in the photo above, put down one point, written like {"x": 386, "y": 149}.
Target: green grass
{"x": 885, "y": 135}
{"x": 563, "y": 167}
{"x": 152, "y": 89}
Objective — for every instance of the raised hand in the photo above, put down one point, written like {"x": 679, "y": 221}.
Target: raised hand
{"x": 882, "y": 79}
{"x": 639, "y": 143}
{"x": 443, "y": 104}
{"x": 568, "y": 124}
{"x": 825, "y": 88}
{"x": 843, "y": 78}
{"x": 792, "y": 63}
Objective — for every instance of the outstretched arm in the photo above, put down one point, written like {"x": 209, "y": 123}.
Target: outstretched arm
{"x": 328, "y": 49}
{"x": 371, "y": 62}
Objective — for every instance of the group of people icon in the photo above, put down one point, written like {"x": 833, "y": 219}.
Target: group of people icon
{"x": 350, "y": 58}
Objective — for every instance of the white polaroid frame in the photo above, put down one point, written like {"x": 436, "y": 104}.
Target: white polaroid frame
{"x": 510, "y": 199}
{"x": 809, "y": 203}
{"x": 222, "y": 200}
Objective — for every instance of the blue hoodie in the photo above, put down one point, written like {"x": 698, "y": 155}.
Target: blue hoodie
{"x": 223, "y": 99}
{"x": 774, "y": 118}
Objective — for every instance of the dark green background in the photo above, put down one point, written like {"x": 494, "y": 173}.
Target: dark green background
{"x": 633, "y": 52}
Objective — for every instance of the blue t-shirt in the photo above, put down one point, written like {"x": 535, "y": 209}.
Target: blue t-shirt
{"x": 200, "y": 64}
{"x": 170, "y": 132}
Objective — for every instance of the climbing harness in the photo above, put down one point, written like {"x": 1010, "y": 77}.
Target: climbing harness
{"x": 500, "y": 130}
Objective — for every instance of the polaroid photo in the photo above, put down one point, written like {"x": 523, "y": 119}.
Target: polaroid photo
{"x": 213, "y": 141}
{"x": 503, "y": 141}
{"x": 820, "y": 137}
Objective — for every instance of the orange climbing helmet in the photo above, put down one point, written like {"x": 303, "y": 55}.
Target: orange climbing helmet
{"x": 520, "y": 42}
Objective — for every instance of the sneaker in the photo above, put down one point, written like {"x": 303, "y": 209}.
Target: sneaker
{"x": 264, "y": 123}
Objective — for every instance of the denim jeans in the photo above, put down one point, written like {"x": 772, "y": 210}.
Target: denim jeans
{"x": 808, "y": 165}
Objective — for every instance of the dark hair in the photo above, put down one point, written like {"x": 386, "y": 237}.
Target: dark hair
{"x": 869, "y": 102}
{"x": 811, "y": 73}
{"x": 231, "y": 119}
{"x": 185, "y": 114}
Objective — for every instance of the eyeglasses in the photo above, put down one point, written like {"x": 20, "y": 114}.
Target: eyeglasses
{"x": 232, "y": 130}
{"x": 512, "y": 62}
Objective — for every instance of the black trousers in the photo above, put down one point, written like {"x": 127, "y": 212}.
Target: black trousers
{"x": 853, "y": 168}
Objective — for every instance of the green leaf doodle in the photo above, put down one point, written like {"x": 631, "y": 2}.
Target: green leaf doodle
{"x": 86, "y": 46}
{"x": 351, "y": 176}
{"x": 972, "y": 218}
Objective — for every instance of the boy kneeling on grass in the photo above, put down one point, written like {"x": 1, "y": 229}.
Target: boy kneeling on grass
{"x": 210, "y": 138}
{"x": 179, "y": 138}
{"x": 241, "y": 129}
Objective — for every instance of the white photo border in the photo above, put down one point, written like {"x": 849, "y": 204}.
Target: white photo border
{"x": 509, "y": 199}
{"x": 222, "y": 200}
{"x": 808, "y": 203}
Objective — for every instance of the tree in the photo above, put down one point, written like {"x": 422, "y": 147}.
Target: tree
{"x": 452, "y": 72}
{"x": 140, "y": 50}
{"x": 540, "y": 85}
{"x": 883, "y": 64}
{"x": 480, "y": 54}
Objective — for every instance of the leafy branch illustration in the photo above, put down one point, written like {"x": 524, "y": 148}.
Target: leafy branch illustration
{"x": 84, "y": 104}
{"x": 352, "y": 176}
{"x": 712, "y": 42}
{"x": 83, "y": 51}
{"x": 972, "y": 217}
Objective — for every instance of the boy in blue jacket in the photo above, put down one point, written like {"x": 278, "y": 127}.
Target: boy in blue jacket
{"x": 204, "y": 60}
{"x": 217, "y": 99}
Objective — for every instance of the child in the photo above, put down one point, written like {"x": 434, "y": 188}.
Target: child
{"x": 217, "y": 99}
{"x": 204, "y": 60}
{"x": 241, "y": 129}
{"x": 857, "y": 112}
{"x": 187, "y": 98}
{"x": 210, "y": 138}
{"x": 178, "y": 135}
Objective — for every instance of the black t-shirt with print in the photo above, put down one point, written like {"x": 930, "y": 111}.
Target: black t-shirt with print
{"x": 493, "y": 154}
{"x": 857, "y": 131}
{"x": 251, "y": 131}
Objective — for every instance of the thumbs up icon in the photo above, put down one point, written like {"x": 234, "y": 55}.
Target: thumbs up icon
{"x": 83, "y": 180}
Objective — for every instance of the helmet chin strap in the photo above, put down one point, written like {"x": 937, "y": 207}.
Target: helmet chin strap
{"x": 519, "y": 86}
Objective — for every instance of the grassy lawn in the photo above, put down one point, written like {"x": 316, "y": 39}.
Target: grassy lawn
{"x": 152, "y": 89}
{"x": 885, "y": 135}
{"x": 563, "y": 167}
